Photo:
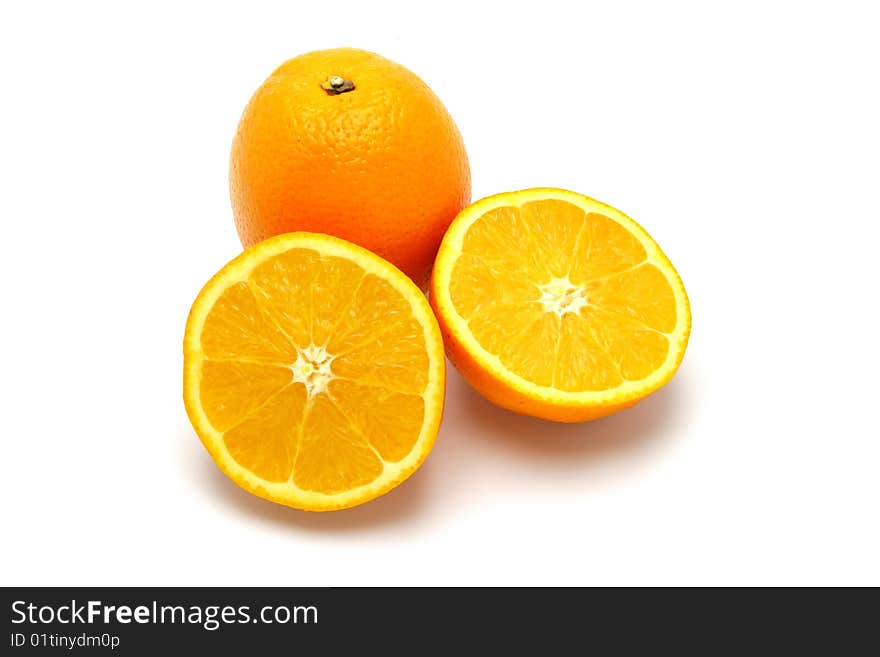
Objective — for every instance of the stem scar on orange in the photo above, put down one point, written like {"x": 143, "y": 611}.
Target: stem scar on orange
{"x": 348, "y": 143}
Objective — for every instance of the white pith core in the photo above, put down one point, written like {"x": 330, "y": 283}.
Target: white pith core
{"x": 312, "y": 369}
{"x": 561, "y": 296}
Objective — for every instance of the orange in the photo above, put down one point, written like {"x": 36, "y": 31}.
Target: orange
{"x": 376, "y": 160}
{"x": 555, "y": 305}
{"x": 313, "y": 372}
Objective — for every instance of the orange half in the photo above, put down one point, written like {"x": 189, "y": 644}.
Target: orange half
{"x": 555, "y": 305}
{"x": 313, "y": 372}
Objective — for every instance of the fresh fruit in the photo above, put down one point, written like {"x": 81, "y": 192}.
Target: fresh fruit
{"x": 313, "y": 372}
{"x": 555, "y": 305}
{"x": 348, "y": 143}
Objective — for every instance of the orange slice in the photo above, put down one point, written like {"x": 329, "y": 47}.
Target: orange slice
{"x": 555, "y": 305}
{"x": 313, "y": 372}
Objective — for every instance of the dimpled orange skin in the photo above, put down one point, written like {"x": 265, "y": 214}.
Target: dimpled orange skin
{"x": 383, "y": 165}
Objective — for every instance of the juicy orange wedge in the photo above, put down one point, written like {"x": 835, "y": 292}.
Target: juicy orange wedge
{"x": 555, "y": 305}
{"x": 314, "y": 372}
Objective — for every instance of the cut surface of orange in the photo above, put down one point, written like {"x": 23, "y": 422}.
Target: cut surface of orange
{"x": 555, "y": 305}
{"x": 314, "y": 372}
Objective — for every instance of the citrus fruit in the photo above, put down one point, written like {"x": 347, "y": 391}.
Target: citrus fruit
{"x": 555, "y": 305}
{"x": 313, "y": 372}
{"x": 348, "y": 143}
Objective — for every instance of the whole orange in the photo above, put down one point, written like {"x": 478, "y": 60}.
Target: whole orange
{"x": 348, "y": 143}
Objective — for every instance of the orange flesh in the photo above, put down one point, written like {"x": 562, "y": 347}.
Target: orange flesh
{"x": 610, "y": 311}
{"x": 371, "y": 408}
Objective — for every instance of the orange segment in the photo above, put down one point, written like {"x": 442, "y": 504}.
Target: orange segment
{"x": 314, "y": 372}
{"x": 231, "y": 389}
{"x": 555, "y": 229}
{"x": 643, "y": 293}
{"x": 505, "y": 225}
{"x": 334, "y": 457}
{"x": 240, "y": 329}
{"x": 556, "y": 305}
{"x": 581, "y": 362}
{"x": 265, "y": 442}
{"x": 378, "y": 341}
{"x": 530, "y": 352}
{"x": 635, "y": 349}
{"x": 391, "y": 420}
{"x": 283, "y": 285}
{"x": 606, "y": 247}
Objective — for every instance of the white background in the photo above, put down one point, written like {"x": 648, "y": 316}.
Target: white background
{"x": 745, "y": 139}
